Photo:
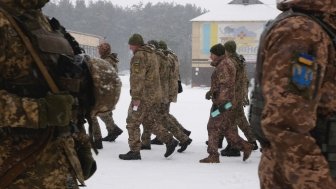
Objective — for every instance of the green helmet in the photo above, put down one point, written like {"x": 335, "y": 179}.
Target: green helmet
{"x": 163, "y": 45}
{"x": 136, "y": 39}
{"x": 230, "y": 46}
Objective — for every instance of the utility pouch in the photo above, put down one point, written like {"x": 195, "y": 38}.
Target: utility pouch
{"x": 325, "y": 135}
{"x": 83, "y": 149}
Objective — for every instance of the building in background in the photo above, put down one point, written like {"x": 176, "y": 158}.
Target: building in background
{"x": 88, "y": 42}
{"x": 240, "y": 20}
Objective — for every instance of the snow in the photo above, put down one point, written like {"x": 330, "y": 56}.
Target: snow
{"x": 181, "y": 170}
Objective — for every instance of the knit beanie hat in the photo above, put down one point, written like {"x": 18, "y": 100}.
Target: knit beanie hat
{"x": 230, "y": 46}
{"x": 217, "y": 50}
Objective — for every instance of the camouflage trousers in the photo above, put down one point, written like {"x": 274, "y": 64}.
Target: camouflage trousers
{"x": 54, "y": 168}
{"x": 224, "y": 124}
{"x": 109, "y": 123}
{"x": 169, "y": 122}
{"x": 293, "y": 161}
{"x": 147, "y": 114}
{"x": 243, "y": 124}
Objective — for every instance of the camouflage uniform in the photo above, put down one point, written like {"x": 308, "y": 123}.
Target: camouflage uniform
{"x": 241, "y": 91}
{"x": 222, "y": 90}
{"x": 145, "y": 86}
{"x": 166, "y": 75}
{"x": 293, "y": 160}
{"x": 107, "y": 117}
{"x": 22, "y": 92}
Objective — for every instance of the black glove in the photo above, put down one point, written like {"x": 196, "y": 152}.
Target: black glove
{"x": 55, "y": 110}
{"x": 208, "y": 95}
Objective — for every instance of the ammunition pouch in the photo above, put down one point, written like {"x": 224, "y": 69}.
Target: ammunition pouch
{"x": 325, "y": 135}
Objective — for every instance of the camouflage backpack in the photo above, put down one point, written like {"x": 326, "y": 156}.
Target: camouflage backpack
{"x": 106, "y": 85}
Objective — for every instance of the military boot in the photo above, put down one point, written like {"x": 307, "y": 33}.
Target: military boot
{"x": 111, "y": 137}
{"x": 145, "y": 147}
{"x": 185, "y": 131}
{"x": 170, "y": 147}
{"x": 247, "y": 150}
{"x": 156, "y": 141}
{"x": 230, "y": 152}
{"x": 210, "y": 159}
{"x": 184, "y": 145}
{"x": 255, "y": 145}
{"x": 130, "y": 156}
{"x": 98, "y": 144}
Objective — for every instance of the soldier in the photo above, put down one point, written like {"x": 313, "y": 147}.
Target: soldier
{"x": 43, "y": 142}
{"x": 174, "y": 89}
{"x": 241, "y": 91}
{"x": 295, "y": 99}
{"x": 166, "y": 75}
{"x": 221, "y": 118}
{"x": 113, "y": 130}
{"x": 145, "y": 93}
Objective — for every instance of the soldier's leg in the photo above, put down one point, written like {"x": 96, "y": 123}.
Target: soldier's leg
{"x": 134, "y": 120}
{"x": 96, "y": 132}
{"x": 214, "y": 129}
{"x": 244, "y": 125}
{"x": 157, "y": 128}
{"x": 230, "y": 132}
{"x": 146, "y": 137}
{"x": 112, "y": 129}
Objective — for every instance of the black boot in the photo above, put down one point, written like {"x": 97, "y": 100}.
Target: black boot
{"x": 170, "y": 147}
{"x": 255, "y": 145}
{"x": 156, "y": 141}
{"x": 145, "y": 147}
{"x": 98, "y": 144}
{"x": 185, "y": 131}
{"x": 184, "y": 145}
{"x": 230, "y": 152}
{"x": 130, "y": 156}
{"x": 114, "y": 135}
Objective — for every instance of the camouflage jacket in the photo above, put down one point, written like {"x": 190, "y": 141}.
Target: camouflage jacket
{"x": 174, "y": 76}
{"x": 165, "y": 70}
{"x": 144, "y": 76}
{"x": 223, "y": 82}
{"x": 113, "y": 60}
{"x": 241, "y": 83}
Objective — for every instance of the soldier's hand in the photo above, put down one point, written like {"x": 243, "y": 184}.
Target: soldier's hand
{"x": 208, "y": 95}
{"x": 55, "y": 110}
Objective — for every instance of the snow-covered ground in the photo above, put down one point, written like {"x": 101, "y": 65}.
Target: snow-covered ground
{"x": 181, "y": 170}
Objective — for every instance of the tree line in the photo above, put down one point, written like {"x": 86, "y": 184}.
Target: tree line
{"x": 162, "y": 21}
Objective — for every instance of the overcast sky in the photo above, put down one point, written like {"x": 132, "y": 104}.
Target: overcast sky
{"x": 207, "y": 4}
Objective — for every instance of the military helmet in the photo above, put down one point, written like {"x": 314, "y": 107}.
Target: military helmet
{"x": 163, "y": 45}
{"x": 217, "y": 49}
{"x": 230, "y": 46}
{"x": 154, "y": 43}
{"x": 136, "y": 39}
{"x": 104, "y": 48}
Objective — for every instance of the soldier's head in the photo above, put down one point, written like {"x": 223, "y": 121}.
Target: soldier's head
{"x": 230, "y": 46}
{"x": 163, "y": 45}
{"x": 104, "y": 49}
{"x": 154, "y": 43}
{"x": 135, "y": 41}
{"x": 216, "y": 53}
